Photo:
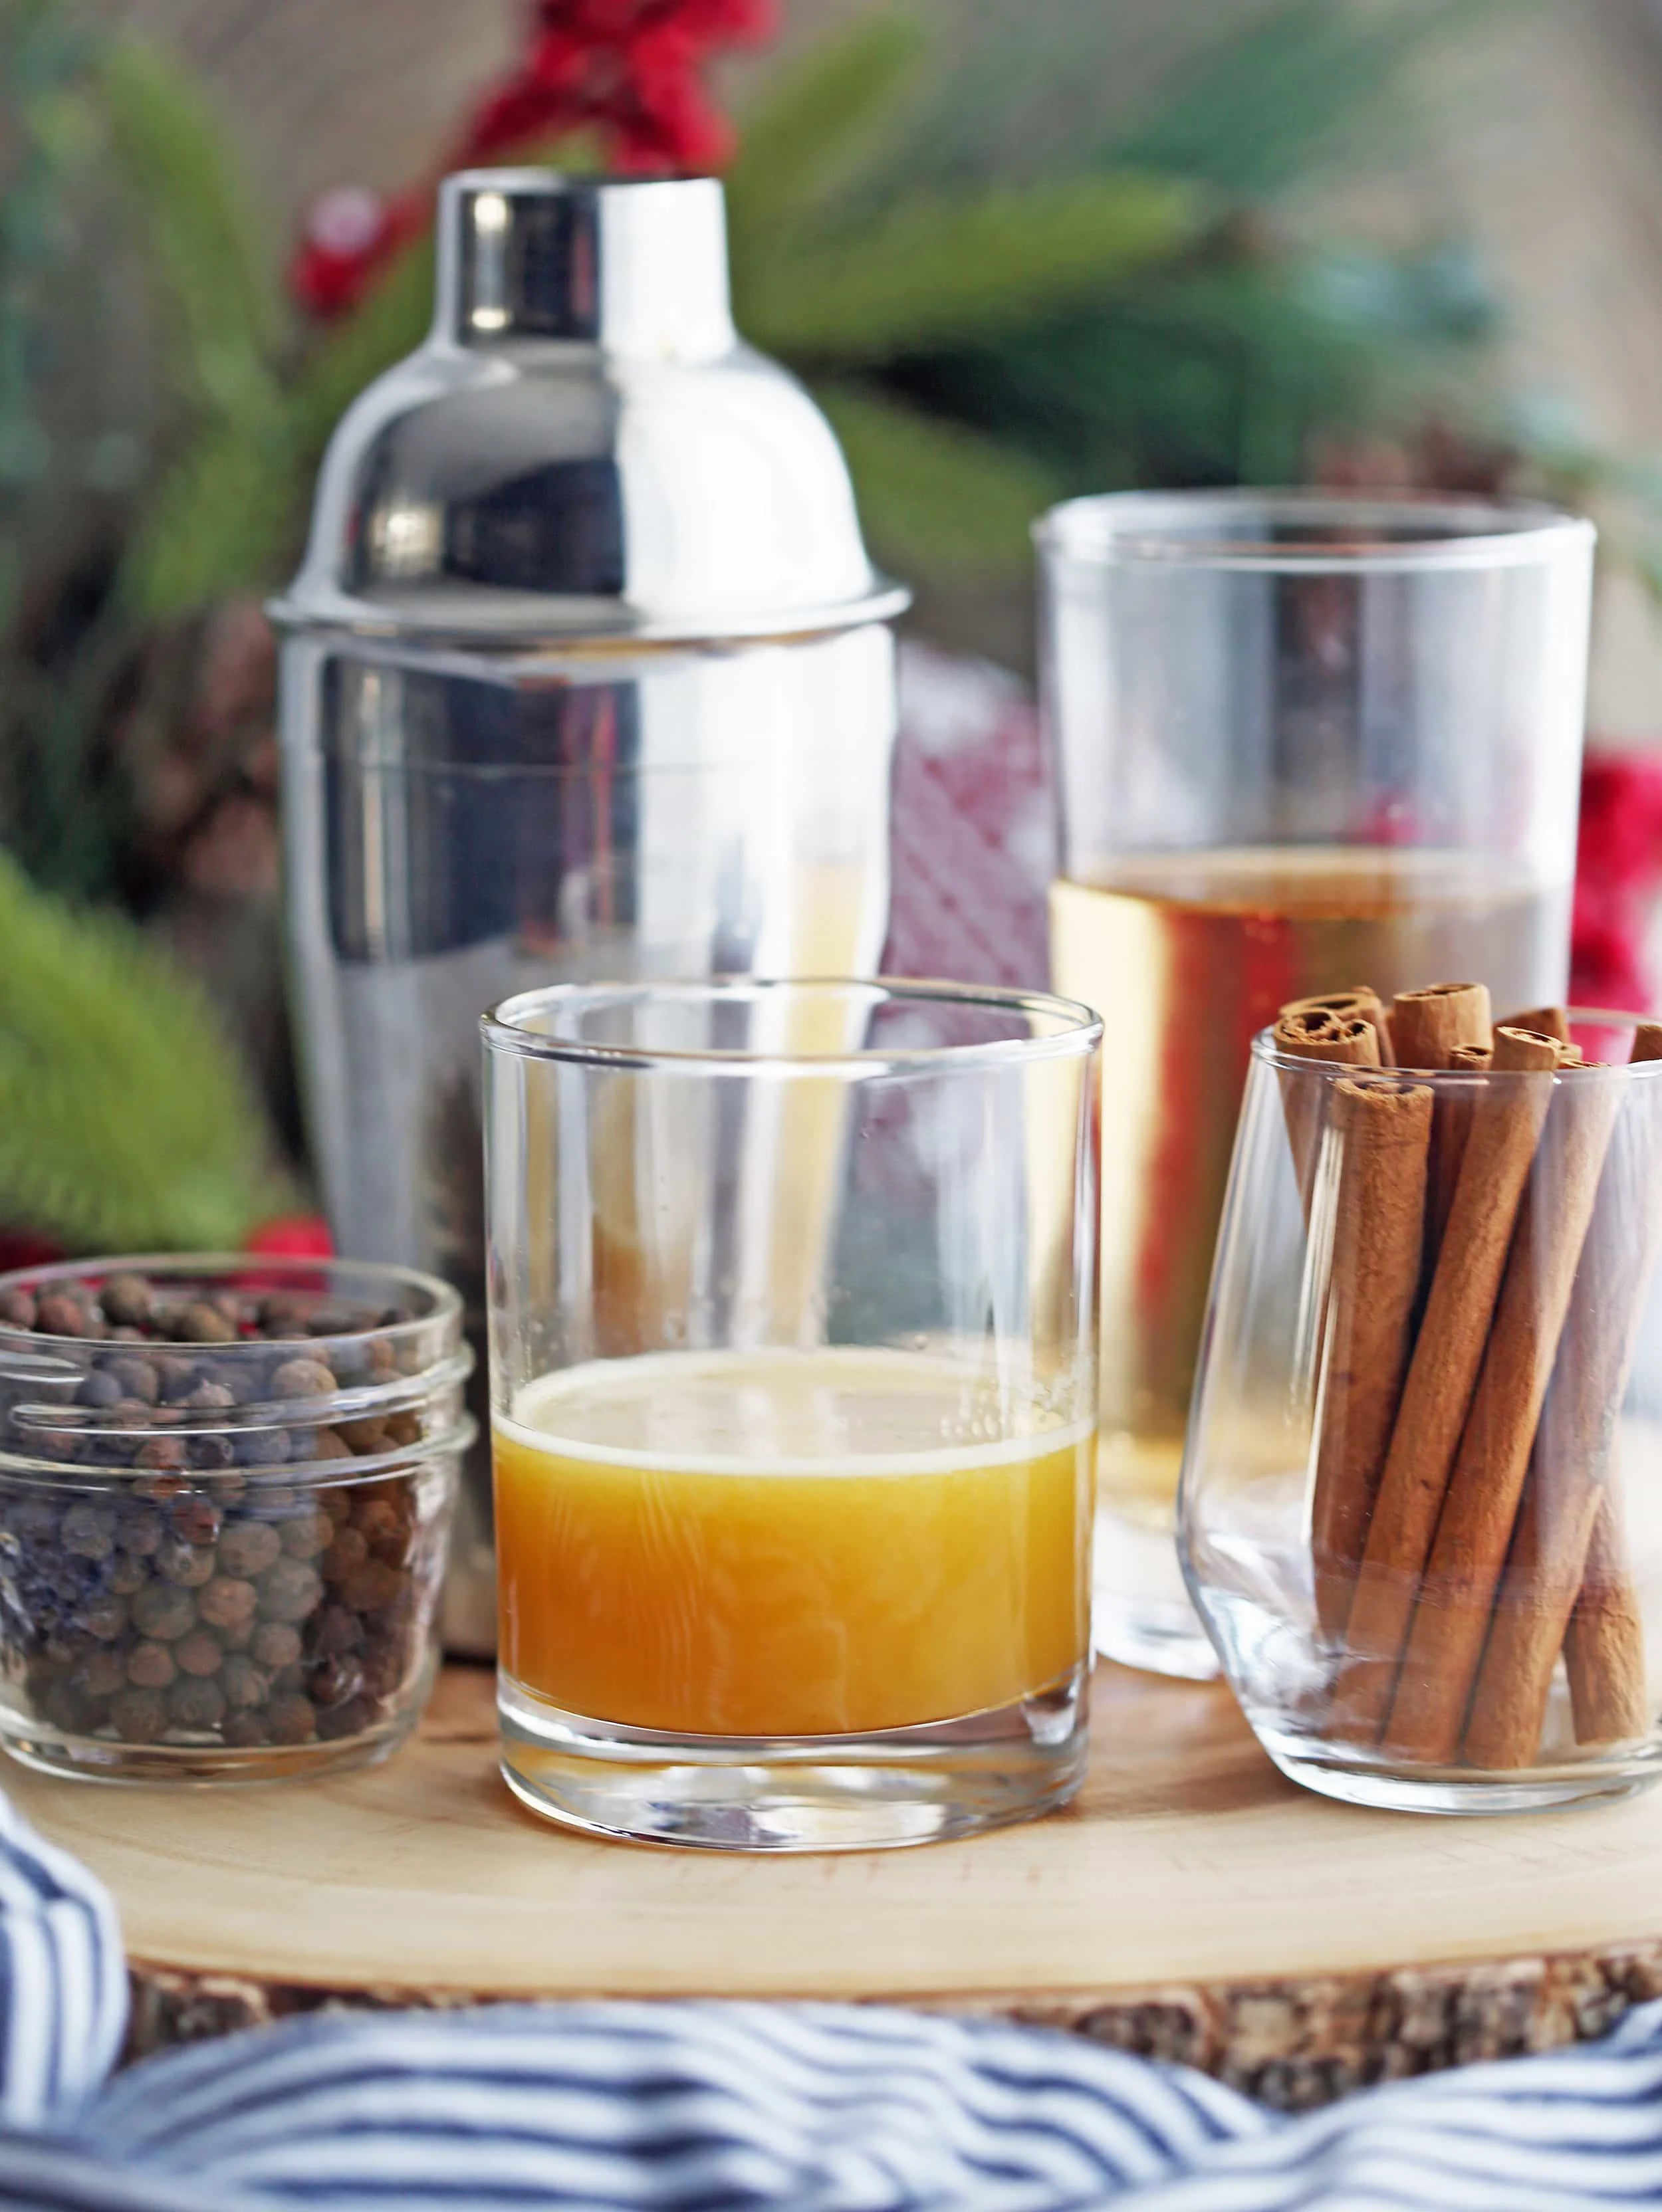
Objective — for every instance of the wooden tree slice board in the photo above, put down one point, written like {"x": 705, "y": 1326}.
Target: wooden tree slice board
{"x": 1192, "y": 1904}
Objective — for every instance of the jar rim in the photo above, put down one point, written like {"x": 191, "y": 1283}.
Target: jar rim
{"x": 444, "y": 1302}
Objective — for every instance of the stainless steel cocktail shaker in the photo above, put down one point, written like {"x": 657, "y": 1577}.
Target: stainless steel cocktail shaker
{"x": 585, "y": 674}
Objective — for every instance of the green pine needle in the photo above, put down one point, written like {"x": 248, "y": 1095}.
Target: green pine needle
{"x": 814, "y": 125}
{"x": 935, "y": 272}
{"x": 186, "y": 196}
{"x": 934, "y": 498}
{"x": 126, "y": 1121}
{"x": 221, "y": 521}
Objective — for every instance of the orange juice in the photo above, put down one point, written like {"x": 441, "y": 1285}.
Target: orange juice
{"x": 787, "y": 1543}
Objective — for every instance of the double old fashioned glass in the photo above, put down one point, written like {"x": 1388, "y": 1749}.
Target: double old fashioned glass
{"x": 794, "y": 1393}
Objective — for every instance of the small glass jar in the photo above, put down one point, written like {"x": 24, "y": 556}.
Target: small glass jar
{"x": 1421, "y": 1501}
{"x": 226, "y": 1486}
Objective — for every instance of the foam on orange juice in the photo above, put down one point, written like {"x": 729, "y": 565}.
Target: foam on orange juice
{"x": 787, "y": 1543}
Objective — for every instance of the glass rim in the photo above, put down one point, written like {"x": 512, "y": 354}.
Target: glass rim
{"x": 1077, "y": 1031}
{"x": 1165, "y": 529}
{"x": 1265, "y": 1053}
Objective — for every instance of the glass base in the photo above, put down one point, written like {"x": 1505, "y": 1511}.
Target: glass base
{"x": 915, "y": 1785}
{"x": 1141, "y": 1612}
{"x": 1454, "y": 1789}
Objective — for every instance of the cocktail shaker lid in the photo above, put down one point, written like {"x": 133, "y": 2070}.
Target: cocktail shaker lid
{"x": 583, "y": 447}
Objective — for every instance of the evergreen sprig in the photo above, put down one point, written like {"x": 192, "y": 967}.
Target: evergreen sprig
{"x": 126, "y": 1123}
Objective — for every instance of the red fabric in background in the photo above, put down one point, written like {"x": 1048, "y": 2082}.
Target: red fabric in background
{"x": 1618, "y": 882}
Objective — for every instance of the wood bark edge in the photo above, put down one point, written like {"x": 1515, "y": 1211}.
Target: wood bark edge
{"x": 1293, "y": 2042}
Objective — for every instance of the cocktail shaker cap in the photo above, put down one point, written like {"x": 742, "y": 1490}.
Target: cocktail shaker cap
{"x": 583, "y": 447}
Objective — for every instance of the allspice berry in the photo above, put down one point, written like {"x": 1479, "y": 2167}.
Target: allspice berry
{"x": 57, "y": 1314}
{"x": 138, "y": 1716}
{"x": 163, "y": 1611}
{"x": 305, "y": 1537}
{"x": 127, "y": 1300}
{"x": 88, "y": 1530}
{"x": 200, "y": 1653}
{"x": 194, "y": 1519}
{"x": 150, "y": 1666}
{"x": 283, "y": 1314}
{"x": 187, "y": 1565}
{"x": 249, "y": 1547}
{"x": 99, "y": 1674}
{"x": 243, "y": 1683}
{"x": 276, "y": 1645}
{"x": 137, "y": 1378}
{"x": 202, "y": 1323}
{"x": 196, "y": 1702}
{"x": 162, "y": 1455}
{"x": 345, "y": 1555}
{"x": 338, "y": 1722}
{"x": 292, "y": 1719}
{"x": 289, "y": 1591}
{"x": 302, "y": 1378}
{"x": 227, "y": 1602}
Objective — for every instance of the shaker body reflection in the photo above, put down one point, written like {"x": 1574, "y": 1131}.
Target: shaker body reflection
{"x": 586, "y": 672}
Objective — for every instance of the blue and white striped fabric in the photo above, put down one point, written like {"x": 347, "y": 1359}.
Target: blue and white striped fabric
{"x": 709, "y": 2107}
{"x": 62, "y": 1982}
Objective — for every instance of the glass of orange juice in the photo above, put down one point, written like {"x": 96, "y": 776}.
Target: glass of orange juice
{"x": 793, "y": 1398}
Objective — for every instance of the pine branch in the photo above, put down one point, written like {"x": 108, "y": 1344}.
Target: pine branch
{"x": 936, "y": 272}
{"x": 1267, "y": 106}
{"x": 223, "y": 520}
{"x": 219, "y": 520}
{"x": 816, "y": 123}
{"x": 392, "y": 322}
{"x": 187, "y": 200}
{"x": 126, "y": 1121}
{"x": 934, "y": 497}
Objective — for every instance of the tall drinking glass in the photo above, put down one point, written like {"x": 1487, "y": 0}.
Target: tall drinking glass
{"x": 794, "y": 1395}
{"x": 1301, "y": 742}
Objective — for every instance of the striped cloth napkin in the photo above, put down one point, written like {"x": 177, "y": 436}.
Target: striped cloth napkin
{"x": 713, "y": 2108}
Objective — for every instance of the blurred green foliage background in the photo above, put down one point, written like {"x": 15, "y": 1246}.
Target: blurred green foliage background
{"x": 1010, "y": 269}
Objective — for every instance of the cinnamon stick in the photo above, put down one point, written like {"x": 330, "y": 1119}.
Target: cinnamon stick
{"x": 1384, "y": 1130}
{"x": 1604, "y": 1641}
{"x": 1451, "y": 1126}
{"x": 1568, "y": 1539}
{"x": 1427, "y": 1025}
{"x": 1444, "y": 1644}
{"x": 1442, "y": 1375}
{"x": 1317, "y": 1033}
{"x": 1361, "y": 1002}
{"x": 1545, "y": 1021}
{"x": 1432, "y": 1027}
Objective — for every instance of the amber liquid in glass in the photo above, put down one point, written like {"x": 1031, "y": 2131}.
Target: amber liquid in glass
{"x": 780, "y": 1543}
{"x": 1187, "y": 955}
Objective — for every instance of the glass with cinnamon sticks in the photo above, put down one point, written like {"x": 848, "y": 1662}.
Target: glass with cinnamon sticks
{"x": 1421, "y": 1504}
